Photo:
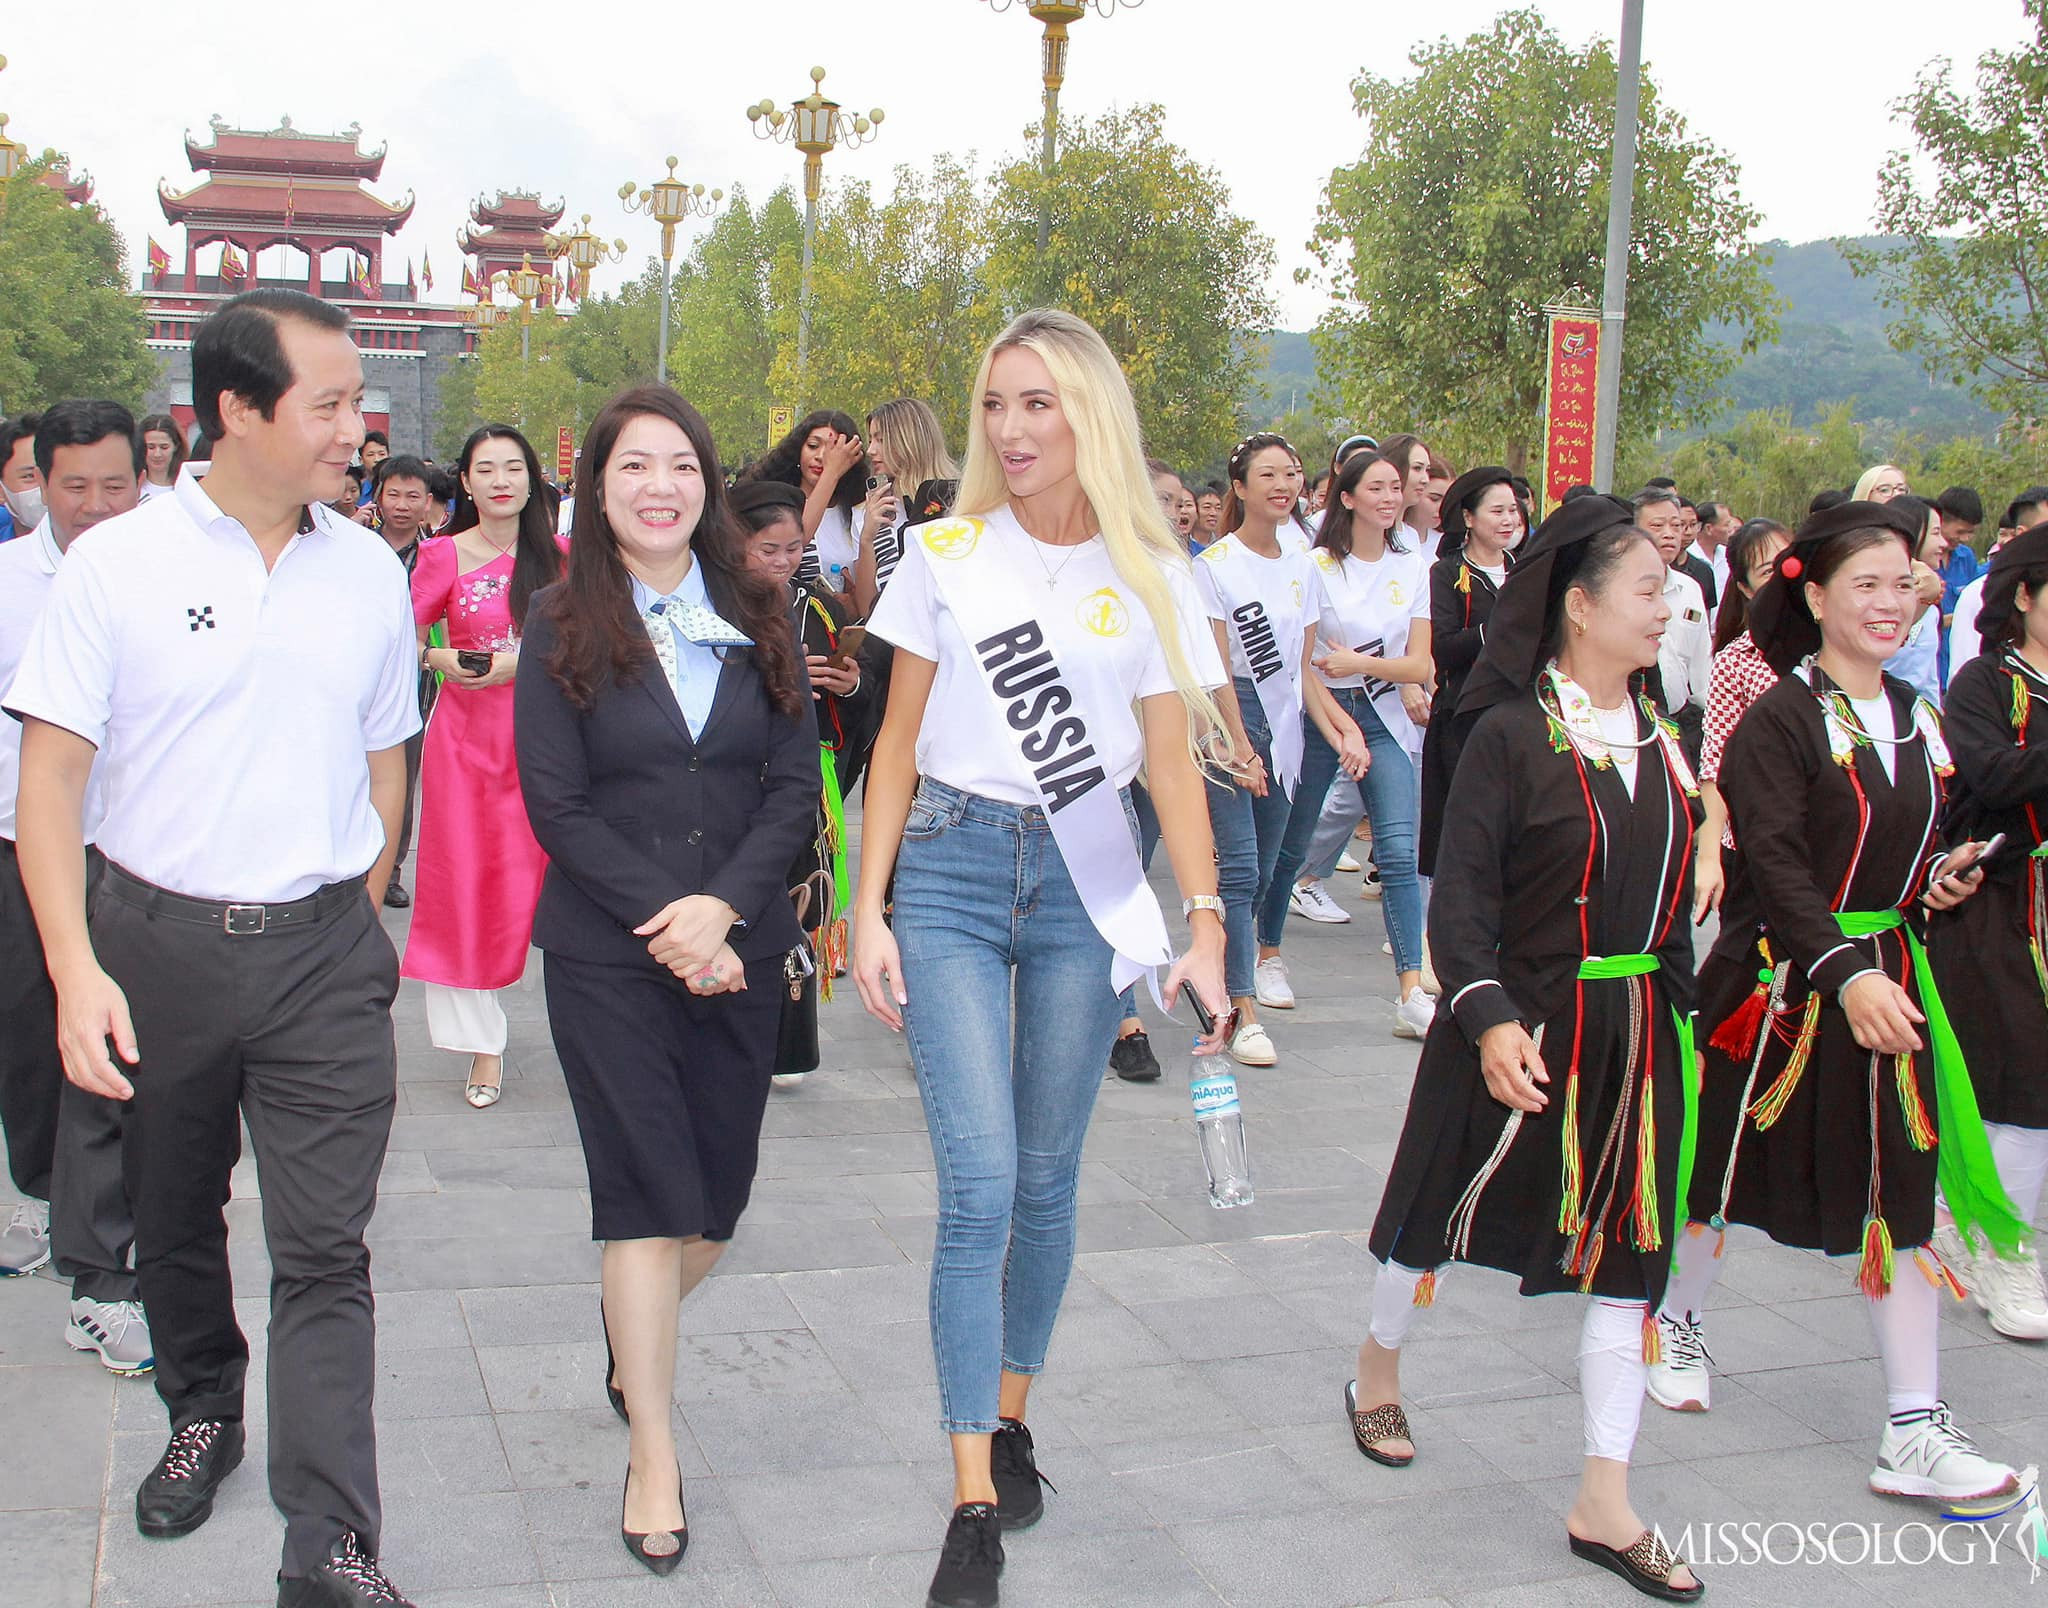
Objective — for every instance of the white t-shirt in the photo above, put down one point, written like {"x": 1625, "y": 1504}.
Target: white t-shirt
{"x": 1917, "y": 660}
{"x": 1369, "y": 607}
{"x": 28, "y": 569}
{"x": 233, "y": 707}
{"x": 1229, "y": 575}
{"x": 1964, "y": 642}
{"x": 1618, "y": 726}
{"x": 151, "y": 489}
{"x": 1874, "y": 715}
{"x": 837, "y": 545}
{"x": 963, "y": 740}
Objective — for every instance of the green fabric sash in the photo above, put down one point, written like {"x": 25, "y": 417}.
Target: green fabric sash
{"x": 1596, "y": 968}
{"x": 835, "y": 812}
{"x": 1963, "y": 1161}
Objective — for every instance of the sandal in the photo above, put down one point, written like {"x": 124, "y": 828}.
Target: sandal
{"x": 484, "y": 1095}
{"x": 1376, "y": 1426}
{"x": 1645, "y": 1563}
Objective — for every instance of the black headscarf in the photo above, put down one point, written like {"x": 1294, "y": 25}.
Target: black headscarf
{"x": 2002, "y": 582}
{"x": 1464, "y": 490}
{"x": 1780, "y": 623}
{"x": 1509, "y": 663}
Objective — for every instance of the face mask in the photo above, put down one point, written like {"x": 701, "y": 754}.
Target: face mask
{"x": 27, "y": 507}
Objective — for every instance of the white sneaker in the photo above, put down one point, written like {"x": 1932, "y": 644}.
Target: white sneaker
{"x": 1413, "y": 1015}
{"x": 1270, "y": 986}
{"x": 1347, "y": 861}
{"x": 1249, "y": 1046}
{"x": 1370, "y": 888}
{"x": 25, "y": 1242}
{"x": 788, "y": 1080}
{"x": 1312, "y": 899}
{"x": 1929, "y": 1456}
{"x": 117, "y": 1330}
{"x": 2009, "y": 1291}
{"x": 1681, "y": 1381}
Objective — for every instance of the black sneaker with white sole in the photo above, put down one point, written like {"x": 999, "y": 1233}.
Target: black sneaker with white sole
{"x": 971, "y": 1561}
{"x": 350, "y": 1578}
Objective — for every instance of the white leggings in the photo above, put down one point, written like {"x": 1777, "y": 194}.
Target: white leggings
{"x": 1612, "y": 1373}
{"x": 1907, "y": 1322}
{"x": 2022, "y": 1157}
{"x": 467, "y": 1019}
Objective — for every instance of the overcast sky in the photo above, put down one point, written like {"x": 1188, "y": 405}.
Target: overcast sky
{"x": 571, "y": 99}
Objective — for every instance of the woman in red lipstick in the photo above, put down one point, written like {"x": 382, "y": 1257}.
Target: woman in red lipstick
{"x": 479, "y": 869}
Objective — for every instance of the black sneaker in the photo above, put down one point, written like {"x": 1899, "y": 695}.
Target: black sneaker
{"x": 177, "y": 1497}
{"x": 1014, "y": 1463}
{"x": 971, "y": 1562}
{"x": 351, "y": 1578}
{"x": 1131, "y": 1059}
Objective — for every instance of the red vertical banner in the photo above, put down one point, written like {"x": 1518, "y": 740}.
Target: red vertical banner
{"x": 1570, "y": 404}
{"x": 565, "y": 453}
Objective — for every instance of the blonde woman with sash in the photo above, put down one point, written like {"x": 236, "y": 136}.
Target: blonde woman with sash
{"x": 1047, "y": 644}
{"x": 1263, "y": 592}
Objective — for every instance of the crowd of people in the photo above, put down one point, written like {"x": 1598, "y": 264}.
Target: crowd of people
{"x": 1549, "y": 748}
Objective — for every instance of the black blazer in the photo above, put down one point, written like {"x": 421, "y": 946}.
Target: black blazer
{"x": 632, "y": 812}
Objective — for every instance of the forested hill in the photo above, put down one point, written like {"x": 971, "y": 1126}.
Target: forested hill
{"x": 1831, "y": 348}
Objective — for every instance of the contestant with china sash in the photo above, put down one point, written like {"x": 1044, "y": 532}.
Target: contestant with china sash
{"x": 1988, "y": 954}
{"x": 1373, "y": 647}
{"x": 1546, "y": 1132}
{"x": 1263, "y": 593}
{"x": 1833, "y": 1090}
{"x": 1048, "y": 642}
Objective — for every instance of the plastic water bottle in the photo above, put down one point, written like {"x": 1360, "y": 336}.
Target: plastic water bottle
{"x": 1219, "y": 1125}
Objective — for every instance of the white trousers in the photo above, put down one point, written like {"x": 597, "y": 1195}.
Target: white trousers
{"x": 467, "y": 1019}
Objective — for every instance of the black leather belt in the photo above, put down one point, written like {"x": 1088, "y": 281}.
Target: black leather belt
{"x": 237, "y": 920}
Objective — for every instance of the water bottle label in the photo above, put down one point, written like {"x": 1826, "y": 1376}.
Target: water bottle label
{"x": 1214, "y": 1096}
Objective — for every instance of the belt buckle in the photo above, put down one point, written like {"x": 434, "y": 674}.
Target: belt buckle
{"x": 245, "y": 920}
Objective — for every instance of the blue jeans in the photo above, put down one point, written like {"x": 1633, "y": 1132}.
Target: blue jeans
{"x": 1148, "y": 840}
{"x": 984, "y": 904}
{"x": 1388, "y": 793}
{"x": 1248, "y": 832}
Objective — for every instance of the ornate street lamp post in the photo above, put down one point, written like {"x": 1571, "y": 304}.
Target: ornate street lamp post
{"x": 813, "y": 125}
{"x": 524, "y": 282}
{"x": 584, "y": 251}
{"x": 1057, "y": 16}
{"x": 668, "y": 201}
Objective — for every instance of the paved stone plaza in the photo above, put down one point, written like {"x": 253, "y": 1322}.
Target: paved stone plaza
{"x": 1191, "y": 1417}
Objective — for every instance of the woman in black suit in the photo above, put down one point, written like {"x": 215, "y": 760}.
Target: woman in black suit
{"x": 670, "y": 769}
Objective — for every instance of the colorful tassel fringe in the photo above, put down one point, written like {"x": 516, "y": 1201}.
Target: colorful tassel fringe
{"x": 1919, "y": 1126}
{"x": 1770, "y": 1105}
{"x": 1647, "y": 1231}
{"x": 1874, "y": 1273}
{"x": 1938, "y": 1272}
{"x": 1425, "y": 1289}
{"x": 1736, "y": 1037}
{"x": 1653, "y": 1340}
{"x": 1570, "y": 1210}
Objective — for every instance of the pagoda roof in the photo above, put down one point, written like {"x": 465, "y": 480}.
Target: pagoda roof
{"x": 57, "y": 175}
{"x": 285, "y": 149}
{"x": 315, "y": 205}
{"x": 516, "y": 211}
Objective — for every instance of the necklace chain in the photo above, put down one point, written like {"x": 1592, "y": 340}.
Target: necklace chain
{"x": 1052, "y": 573}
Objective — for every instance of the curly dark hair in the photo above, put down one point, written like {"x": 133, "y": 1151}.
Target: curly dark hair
{"x": 599, "y": 634}
{"x": 783, "y": 461}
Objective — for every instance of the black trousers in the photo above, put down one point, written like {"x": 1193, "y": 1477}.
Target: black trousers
{"x": 415, "y": 745}
{"x": 63, "y": 1145}
{"x": 290, "y": 1031}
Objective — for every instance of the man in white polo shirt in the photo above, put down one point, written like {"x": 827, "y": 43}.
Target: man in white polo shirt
{"x": 63, "y": 1145}
{"x": 1685, "y": 661}
{"x": 243, "y": 661}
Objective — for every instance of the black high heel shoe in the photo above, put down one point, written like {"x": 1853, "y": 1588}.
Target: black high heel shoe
{"x": 661, "y": 1563}
{"x": 612, "y": 1393}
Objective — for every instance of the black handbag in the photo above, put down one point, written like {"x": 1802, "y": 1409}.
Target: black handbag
{"x": 796, "y": 1039}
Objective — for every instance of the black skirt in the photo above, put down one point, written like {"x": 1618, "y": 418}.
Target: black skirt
{"x": 1984, "y": 965}
{"x": 1473, "y": 1181}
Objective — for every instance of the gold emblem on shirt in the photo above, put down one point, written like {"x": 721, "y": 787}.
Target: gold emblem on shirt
{"x": 1103, "y": 613}
{"x": 1394, "y": 594}
{"x": 1294, "y": 587}
{"x": 952, "y": 538}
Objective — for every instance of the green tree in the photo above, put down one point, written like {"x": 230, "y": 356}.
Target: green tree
{"x": 1145, "y": 248}
{"x": 1965, "y": 272}
{"x": 722, "y": 343}
{"x": 1482, "y": 196}
{"x": 900, "y": 300}
{"x": 69, "y": 325}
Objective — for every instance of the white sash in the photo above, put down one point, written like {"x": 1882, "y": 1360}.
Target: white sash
{"x": 1050, "y": 711}
{"x": 1279, "y": 692}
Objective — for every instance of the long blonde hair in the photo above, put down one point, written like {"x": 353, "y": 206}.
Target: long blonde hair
{"x": 911, "y": 439}
{"x": 1109, "y": 461}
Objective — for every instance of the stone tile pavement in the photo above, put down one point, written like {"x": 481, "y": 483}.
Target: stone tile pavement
{"x": 1191, "y": 1415}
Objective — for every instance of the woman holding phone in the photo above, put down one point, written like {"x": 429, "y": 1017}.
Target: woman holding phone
{"x": 479, "y": 869}
{"x": 1048, "y": 642}
{"x": 1834, "y": 1094}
